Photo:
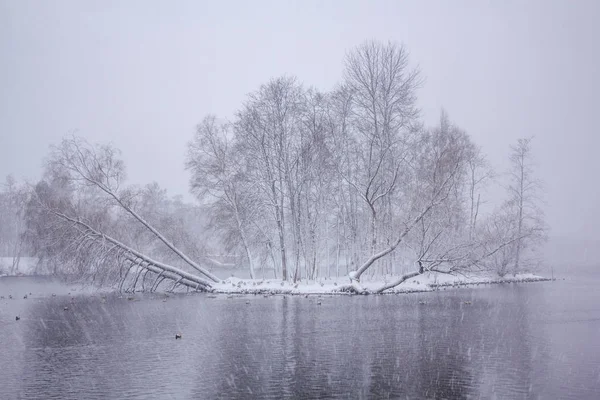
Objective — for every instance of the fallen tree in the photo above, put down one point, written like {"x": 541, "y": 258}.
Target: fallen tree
{"x": 93, "y": 254}
{"x": 75, "y": 219}
{"x": 99, "y": 167}
{"x": 136, "y": 258}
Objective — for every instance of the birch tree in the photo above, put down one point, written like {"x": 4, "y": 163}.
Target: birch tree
{"x": 444, "y": 226}
{"x": 99, "y": 167}
{"x": 78, "y": 215}
{"x": 217, "y": 175}
{"x": 77, "y": 249}
{"x": 480, "y": 174}
{"x": 13, "y": 198}
{"x": 383, "y": 112}
{"x": 267, "y": 130}
{"x": 441, "y": 160}
{"x": 524, "y": 191}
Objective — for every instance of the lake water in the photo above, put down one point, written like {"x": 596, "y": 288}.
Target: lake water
{"x": 534, "y": 340}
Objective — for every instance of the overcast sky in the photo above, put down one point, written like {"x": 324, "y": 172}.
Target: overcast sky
{"x": 142, "y": 74}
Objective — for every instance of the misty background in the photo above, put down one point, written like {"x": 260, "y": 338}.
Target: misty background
{"x": 142, "y": 75}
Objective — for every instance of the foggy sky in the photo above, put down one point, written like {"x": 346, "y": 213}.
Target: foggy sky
{"x": 142, "y": 74}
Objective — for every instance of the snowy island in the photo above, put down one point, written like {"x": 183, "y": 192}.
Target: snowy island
{"x": 427, "y": 282}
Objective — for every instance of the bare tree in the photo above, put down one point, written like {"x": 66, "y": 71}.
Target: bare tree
{"x": 79, "y": 221}
{"x": 268, "y": 132}
{"x": 524, "y": 200}
{"x": 441, "y": 169}
{"x": 383, "y": 114}
{"x": 13, "y": 199}
{"x": 217, "y": 173}
{"x": 480, "y": 173}
{"x": 100, "y": 168}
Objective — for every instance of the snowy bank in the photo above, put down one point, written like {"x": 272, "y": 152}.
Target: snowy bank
{"x": 24, "y": 266}
{"x": 422, "y": 283}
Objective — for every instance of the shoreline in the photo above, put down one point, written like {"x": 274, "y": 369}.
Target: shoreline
{"x": 341, "y": 286}
{"x": 428, "y": 282}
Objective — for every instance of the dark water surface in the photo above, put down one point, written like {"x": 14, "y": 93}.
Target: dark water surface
{"x": 535, "y": 340}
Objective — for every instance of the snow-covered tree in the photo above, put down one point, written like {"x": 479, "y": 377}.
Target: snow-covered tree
{"x": 79, "y": 218}
{"x": 524, "y": 203}
{"x": 13, "y": 198}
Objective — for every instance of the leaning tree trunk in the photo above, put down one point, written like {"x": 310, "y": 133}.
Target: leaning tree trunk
{"x": 170, "y": 245}
{"x": 137, "y": 258}
{"x": 146, "y": 224}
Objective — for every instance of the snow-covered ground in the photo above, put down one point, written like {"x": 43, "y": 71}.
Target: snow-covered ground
{"x": 26, "y": 266}
{"x": 233, "y": 285}
{"x": 422, "y": 283}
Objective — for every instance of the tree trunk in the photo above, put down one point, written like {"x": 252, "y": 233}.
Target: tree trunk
{"x": 520, "y": 221}
{"x": 132, "y": 255}
{"x": 280, "y": 229}
{"x": 150, "y": 228}
{"x": 244, "y": 242}
{"x": 398, "y": 281}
